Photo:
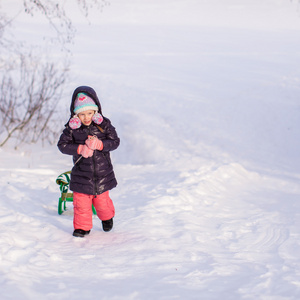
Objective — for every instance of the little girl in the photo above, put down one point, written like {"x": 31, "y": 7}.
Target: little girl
{"x": 89, "y": 137}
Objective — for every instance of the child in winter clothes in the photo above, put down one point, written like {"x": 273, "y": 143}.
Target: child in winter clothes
{"x": 90, "y": 137}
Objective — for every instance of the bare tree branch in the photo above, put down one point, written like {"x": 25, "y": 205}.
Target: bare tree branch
{"x": 57, "y": 17}
{"x": 30, "y": 88}
{"x": 27, "y": 104}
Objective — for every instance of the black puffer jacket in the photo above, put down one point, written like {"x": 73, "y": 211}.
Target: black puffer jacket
{"x": 93, "y": 175}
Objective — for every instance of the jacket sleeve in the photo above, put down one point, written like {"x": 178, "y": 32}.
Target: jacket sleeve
{"x": 111, "y": 141}
{"x": 66, "y": 143}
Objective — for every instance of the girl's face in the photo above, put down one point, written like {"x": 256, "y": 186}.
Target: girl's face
{"x": 86, "y": 117}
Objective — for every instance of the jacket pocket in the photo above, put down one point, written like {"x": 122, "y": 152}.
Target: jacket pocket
{"x": 107, "y": 158}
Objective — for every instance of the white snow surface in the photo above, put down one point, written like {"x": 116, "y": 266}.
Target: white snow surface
{"x": 205, "y": 98}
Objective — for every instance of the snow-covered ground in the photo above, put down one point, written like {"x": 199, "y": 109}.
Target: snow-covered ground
{"x": 205, "y": 98}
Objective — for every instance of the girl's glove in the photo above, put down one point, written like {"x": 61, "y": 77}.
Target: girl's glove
{"x": 94, "y": 143}
{"x": 85, "y": 151}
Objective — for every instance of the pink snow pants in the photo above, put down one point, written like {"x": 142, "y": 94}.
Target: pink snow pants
{"x": 83, "y": 213}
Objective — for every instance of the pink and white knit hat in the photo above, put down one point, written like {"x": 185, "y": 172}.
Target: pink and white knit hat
{"x": 83, "y": 103}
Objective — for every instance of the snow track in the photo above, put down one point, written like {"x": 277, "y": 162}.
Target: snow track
{"x": 212, "y": 231}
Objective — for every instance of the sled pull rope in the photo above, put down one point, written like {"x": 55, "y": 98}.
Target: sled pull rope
{"x": 90, "y": 138}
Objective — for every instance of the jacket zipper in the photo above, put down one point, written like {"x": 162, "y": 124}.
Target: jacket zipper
{"x": 94, "y": 171}
{"x": 95, "y": 183}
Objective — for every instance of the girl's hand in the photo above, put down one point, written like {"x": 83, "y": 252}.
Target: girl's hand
{"x": 94, "y": 143}
{"x": 85, "y": 151}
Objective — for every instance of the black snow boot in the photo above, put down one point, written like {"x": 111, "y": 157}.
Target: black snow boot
{"x": 107, "y": 225}
{"x": 80, "y": 232}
